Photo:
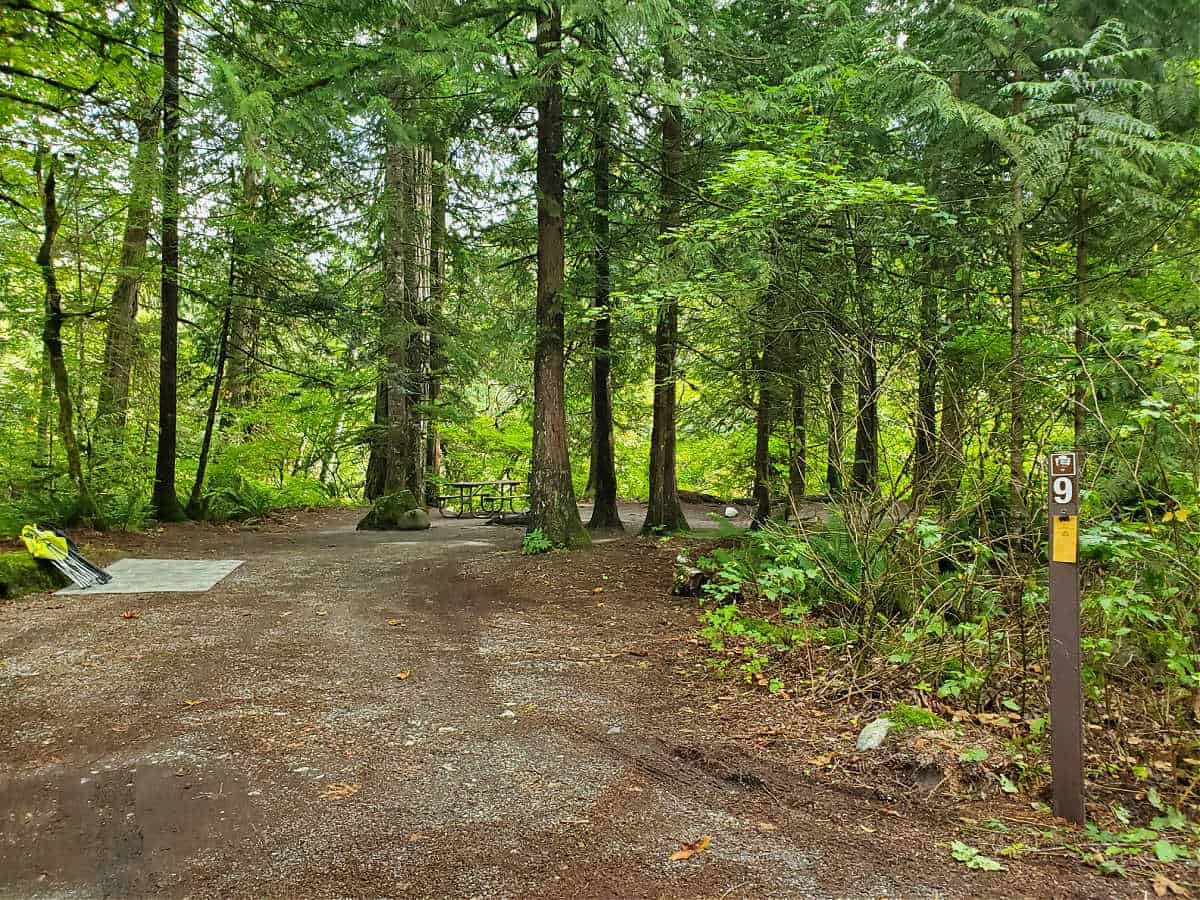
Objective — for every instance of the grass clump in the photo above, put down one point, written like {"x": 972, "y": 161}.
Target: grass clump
{"x": 21, "y": 574}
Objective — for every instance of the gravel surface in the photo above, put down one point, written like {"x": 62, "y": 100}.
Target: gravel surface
{"x": 424, "y": 714}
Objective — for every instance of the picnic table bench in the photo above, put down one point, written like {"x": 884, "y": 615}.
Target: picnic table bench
{"x": 479, "y": 499}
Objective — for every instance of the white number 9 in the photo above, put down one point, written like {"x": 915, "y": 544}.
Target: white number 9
{"x": 1063, "y": 490}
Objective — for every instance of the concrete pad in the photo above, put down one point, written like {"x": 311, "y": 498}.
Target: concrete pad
{"x": 151, "y": 576}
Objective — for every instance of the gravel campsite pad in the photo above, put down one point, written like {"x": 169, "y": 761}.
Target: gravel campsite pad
{"x": 419, "y": 714}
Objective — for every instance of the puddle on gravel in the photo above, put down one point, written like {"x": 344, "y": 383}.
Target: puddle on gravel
{"x": 123, "y": 831}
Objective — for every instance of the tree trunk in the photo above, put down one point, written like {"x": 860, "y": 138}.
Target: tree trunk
{"x": 664, "y": 512}
{"x": 798, "y": 465}
{"x": 396, "y": 330}
{"x": 113, "y": 403}
{"x": 762, "y": 441}
{"x": 164, "y": 499}
{"x": 437, "y": 289}
{"x": 246, "y": 314}
{"x": 1016, "y": 453}
{"x": 45, "y": 399}
{"x": 865, "y": 475}
{"x": 835, "y": 463}
{"x": 329, "y": 459}
{"x": 602, "y": 477}
{"x": 418, "y": 198}
{"x": 376, "y": 477}
{"x": 925, "y": 446}
{"x": 195, "y": 507}
{"x": 948, "y": 472}
{"x": 52, "y": 341}
{"x": 551, "y": 493}
{"x": 1080, "y": 404}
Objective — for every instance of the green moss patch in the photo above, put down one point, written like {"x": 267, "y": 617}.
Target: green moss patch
{"x": 21, "y": 574}
{"x": 902, "y": 716}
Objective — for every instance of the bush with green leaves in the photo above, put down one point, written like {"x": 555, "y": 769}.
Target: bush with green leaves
{"x": 535, "y": 542}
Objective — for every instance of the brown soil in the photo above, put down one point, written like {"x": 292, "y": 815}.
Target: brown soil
{"x": 428, "y": 714}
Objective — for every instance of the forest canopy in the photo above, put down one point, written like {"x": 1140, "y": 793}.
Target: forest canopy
{"x": 257, "y": 255}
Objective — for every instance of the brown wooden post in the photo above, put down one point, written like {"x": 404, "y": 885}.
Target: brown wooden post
{"x": 1066, "y": 691}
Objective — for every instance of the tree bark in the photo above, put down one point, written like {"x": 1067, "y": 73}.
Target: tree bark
{"x": 551, "y": 492}
{"x": 664, "y": 512}
{"x": 762, "y": 440}
{"x": 865, "y": 475}
{"x": 195, "y": 507}
{"x": 1080, "y": 404}
{"x": 437, "y": 289}
{"x": 1016, "y": 454}
{"x": 246, "y": 314}
{"x": 164, "y": 499}
{"x": 798, "y": 465}
{"x": 45, "y": 399}
{"x": 835, "y": 461}
{"x": 925, "y": 445}
{"x": 602, "y": 477}
{"x": 52, "y": 340}
{"x": 418, "y": 198}
{"x": 376, "y": 475}
{"x": 948, "y": 472}
{"x": 113, "y": 403}
{"x": 396, "y": 330}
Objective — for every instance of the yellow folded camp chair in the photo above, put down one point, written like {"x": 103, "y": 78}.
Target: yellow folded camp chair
{"x": 49, "y": 543}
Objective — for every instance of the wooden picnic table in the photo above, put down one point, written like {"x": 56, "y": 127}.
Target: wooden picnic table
{"x": 479, "y": 499}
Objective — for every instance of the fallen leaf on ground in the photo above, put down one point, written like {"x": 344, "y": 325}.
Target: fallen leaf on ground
{"x": 597, "y": 590}
{"x": 823, "y": 760}
{"x": 394, "y": 622}
{"x": 403, "y": 674}
{"x": 687, "y": 851}
{"x": 340, "y": 790}
{"x": 195, "y": 702}
{"x": 1164, "y": 885}
{"x": 131, "y": 614}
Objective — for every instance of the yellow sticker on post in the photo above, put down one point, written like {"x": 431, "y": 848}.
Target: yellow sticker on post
{"x": 1064, "y": 542}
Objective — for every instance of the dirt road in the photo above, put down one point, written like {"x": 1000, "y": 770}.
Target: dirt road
{"x": 418, "y": 714}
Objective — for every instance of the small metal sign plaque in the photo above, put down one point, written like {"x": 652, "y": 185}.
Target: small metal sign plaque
{"x": 1062, "y": 464}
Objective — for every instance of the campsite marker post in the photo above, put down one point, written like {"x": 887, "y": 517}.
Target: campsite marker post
{"x": 1066, "y": 690}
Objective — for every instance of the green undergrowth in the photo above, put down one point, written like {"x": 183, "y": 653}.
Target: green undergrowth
{"x": 21, "y": 574}
{"x": 925, "y": 612}
{"x": 535, "y": 542}
{"x": 228, "y": 496}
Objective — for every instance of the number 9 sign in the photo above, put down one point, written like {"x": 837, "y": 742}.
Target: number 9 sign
{"x": 1062, "y": 489}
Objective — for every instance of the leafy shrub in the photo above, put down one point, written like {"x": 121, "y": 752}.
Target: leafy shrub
{"x": 127, "y": 510}
{"x": 238, "y": 497}
{"x": 536, "y": 542}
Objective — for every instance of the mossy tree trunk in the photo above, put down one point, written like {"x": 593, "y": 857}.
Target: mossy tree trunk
{"x": 798, "y": 464}
{"x": 551, "y": 492}
{"x": 112, "y": 405}
{"x": 664, "y": 512}
{"x": 602, "y": 474}
{"x": 164, "y": 499}
{"x": 52, "y": 336}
